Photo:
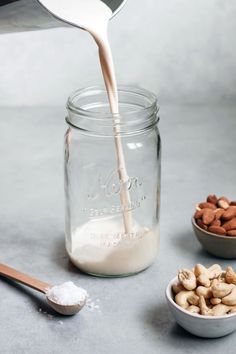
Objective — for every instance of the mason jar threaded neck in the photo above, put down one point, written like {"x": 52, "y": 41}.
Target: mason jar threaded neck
{"x": 89, "y": 110}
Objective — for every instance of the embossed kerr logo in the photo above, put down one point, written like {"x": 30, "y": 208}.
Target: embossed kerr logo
{"x": 110, "y": 185}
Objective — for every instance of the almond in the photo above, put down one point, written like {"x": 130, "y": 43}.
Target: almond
{"x": 206, "y": 205}
{"x": 218, "y": 213}
{"x": 225, "y": 199}
{"x": 198, "y": 214}
{"x": 231, "y": 233}
{"x": 212, "y": 199}
{"x": 208, "y": 216}
{"x": 223, "y": 204}
{"x": 201, "y": 225}
{"x": 230, "y": 225}
{"x": 216, "y": 223}
{"x": 217, "y": 230}
{"x": 229, "y": 213}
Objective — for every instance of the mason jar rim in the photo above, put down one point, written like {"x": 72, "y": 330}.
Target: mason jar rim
{"x": 138, "y": 110}
{"x": 148, "y": 95}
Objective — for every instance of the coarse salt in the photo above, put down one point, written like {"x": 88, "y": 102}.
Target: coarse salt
{"x": 67, "y": 294}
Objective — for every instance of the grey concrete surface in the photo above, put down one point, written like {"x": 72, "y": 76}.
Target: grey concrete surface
{"x": 198, "y": 158}
{"x": 183, "y": 49}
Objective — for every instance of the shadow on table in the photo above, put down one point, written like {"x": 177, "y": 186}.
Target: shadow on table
{"x": 160, "y": 321}
{"x": 61, "y": 258}
{"x": 187, "y": 242}
{"x": 38, "y": 301}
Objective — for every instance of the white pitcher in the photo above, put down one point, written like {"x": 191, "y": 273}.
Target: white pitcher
{"x": 28, "y": 15}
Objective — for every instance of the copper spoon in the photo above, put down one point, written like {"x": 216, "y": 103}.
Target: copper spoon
{"x": 41, "y": 286}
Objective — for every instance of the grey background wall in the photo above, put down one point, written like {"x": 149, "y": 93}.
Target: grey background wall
{"x": 184, "y": 50}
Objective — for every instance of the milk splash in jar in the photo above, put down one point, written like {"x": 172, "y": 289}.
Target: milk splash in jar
{"x": 87, "y": 252}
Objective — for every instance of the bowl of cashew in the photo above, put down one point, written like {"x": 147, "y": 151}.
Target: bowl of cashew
{"x": 203, "y": 300}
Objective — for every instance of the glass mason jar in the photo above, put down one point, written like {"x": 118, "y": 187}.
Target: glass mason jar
{"x": 112, "y": 181}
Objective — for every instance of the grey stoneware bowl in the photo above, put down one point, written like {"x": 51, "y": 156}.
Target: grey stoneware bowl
{"x": 219, "y": 246}
{"x": 201, "y": 326}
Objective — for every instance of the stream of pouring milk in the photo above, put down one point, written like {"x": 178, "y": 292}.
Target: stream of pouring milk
{"x": 93, "y": 16}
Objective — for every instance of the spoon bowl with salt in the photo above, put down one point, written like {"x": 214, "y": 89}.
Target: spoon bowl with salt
{"x": 66, "y": 299}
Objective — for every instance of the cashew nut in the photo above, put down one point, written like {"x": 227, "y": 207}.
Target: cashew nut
{"x": 218, "y": 310}
{"x": 212, "y": 272}
{"x": 199, "y": 269}
{"x": 205, "y": 292}
{"x": 230, "y": 276}
{"x": 231, "y": 298}
{"x": 203, "y": 307}
{"x": 215, "y": 301}
{"x": 221, "y": 290}
{"x": 203, "y": 280}
{"x": 187, "y": 279}
{"x": 177, "y": 287}
{"x": 186, "y": 298}
{"x": 193, "y": 309}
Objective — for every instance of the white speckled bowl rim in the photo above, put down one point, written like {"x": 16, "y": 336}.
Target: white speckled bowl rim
{"x": 169, "y": 297}
{"x": 210, "y": 233}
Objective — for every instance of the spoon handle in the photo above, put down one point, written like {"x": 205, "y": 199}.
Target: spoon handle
{"x": 23, "y": 278}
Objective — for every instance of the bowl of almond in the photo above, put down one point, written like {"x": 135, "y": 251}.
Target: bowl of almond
{"x": 214, "y": 224}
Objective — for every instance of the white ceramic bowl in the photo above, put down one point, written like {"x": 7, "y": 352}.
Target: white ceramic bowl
{"x": 201, "y": 326}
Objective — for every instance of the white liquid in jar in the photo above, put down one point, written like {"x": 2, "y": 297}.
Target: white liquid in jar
{"x": 121, "y": 257}
{"x": 100, "y": 247}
